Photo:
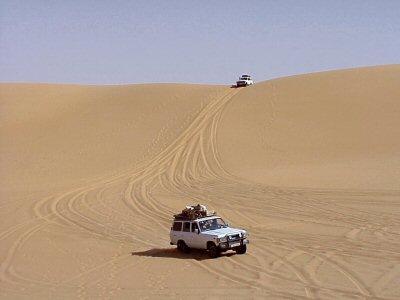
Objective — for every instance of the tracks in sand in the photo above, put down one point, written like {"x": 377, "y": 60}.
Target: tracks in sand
{"x": 132, "y": 208}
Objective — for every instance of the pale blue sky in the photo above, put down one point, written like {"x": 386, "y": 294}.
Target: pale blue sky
{"x": 149, "y": 41}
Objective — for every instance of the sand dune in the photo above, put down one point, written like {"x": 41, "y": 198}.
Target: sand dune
{"x": 334, "y": 129}
{"x": 91, "y": 177}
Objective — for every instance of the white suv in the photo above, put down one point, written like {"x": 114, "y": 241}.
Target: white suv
{"x": 209, "y": 233}
{"x": 244, "y": 80}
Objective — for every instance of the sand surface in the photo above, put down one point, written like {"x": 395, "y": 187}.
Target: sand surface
{"x": 309, "y": 165}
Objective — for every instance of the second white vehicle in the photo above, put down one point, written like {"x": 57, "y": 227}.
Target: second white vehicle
{"x": 244, "y": 80}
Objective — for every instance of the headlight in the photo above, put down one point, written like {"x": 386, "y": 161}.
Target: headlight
{"x": 244, "y": 234}
{"x": 224, "y": 239}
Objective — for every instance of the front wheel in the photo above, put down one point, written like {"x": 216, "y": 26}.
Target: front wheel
{"x": 213, "y": 251}
{"x": 241, "y": 250}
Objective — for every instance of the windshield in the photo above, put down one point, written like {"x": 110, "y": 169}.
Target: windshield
{"x": 212, "y": 224}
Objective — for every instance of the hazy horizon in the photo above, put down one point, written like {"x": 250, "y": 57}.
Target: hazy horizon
{"x": 122, "y": 42}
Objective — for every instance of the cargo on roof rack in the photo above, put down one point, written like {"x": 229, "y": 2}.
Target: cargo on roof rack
{"x": 194, "y": 212}
{"x": 191, "y": 217}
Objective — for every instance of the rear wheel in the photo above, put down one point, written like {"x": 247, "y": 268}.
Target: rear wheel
{"x": 241, "y": 250}
{"x": 183, "y": 247}
{"x": 213, "y": 251}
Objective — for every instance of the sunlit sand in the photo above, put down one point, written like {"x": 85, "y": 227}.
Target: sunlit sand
{"x": 309, "y": 165}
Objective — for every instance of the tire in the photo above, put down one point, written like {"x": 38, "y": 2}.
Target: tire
{"x": 213, "y": 251}
{"x": 241, "y": 250}
{"x": 179, "y": 246}
{"x": 182, "y": 247}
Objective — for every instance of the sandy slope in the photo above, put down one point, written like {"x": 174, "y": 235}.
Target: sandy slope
{"x": 335, "y": 129}
{"x": 309, "y": 165}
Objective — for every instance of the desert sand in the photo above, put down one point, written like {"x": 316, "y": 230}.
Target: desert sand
{"x": 310, "y": 165}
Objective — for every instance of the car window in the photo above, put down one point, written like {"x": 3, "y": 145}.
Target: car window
{"x": 186, "y": 226}
{"x": 205, "y": 225}
{"x": 212, "y": 224}
{"x": 194, "y": 227}
{"x": 177, "y": 226}
{"x": 221, "y": 223}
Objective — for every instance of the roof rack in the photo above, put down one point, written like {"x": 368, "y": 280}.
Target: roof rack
{"x": 194, "y": 212}
{"x": 184, "y": 217}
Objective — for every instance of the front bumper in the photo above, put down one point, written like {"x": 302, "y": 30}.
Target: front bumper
{"x": 233, "y": 244}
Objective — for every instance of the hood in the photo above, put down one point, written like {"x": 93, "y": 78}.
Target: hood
{"x": 223, "y": 231}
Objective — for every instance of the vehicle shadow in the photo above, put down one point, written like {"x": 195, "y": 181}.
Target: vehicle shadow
{"x": 174, "y": 253}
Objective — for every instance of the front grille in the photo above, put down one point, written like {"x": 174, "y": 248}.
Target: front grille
{"x": 234, "y": 237}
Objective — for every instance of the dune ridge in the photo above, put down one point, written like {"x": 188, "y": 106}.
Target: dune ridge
{"x": 91, "y": 177}
{"x": 332, "y": 129}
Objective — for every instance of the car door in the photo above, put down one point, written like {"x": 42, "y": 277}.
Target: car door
{"x": 176, "y": 232}
{"x": 197, "y": 239}
{"x": 187, "y": 235}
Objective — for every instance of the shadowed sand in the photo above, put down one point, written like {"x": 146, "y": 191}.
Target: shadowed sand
{"x": 309, "y": 165}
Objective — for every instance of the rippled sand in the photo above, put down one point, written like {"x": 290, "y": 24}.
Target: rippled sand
{"x": 309, "y": 165}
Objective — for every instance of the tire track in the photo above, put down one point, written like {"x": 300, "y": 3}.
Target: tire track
{"x": 165, "y": 166}
{"x": 190, "y": 167}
